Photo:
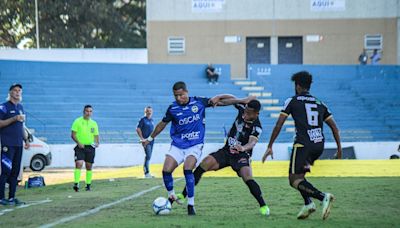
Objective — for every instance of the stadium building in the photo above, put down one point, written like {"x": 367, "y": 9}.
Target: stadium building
{"x": 271, "y": 32}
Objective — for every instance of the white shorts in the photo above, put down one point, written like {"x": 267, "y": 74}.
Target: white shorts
{"x": 180, "y": 155}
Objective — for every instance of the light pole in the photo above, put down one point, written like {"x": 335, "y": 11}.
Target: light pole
{"x": 37, "y": 24}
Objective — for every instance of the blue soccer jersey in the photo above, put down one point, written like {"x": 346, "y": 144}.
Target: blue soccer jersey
{"x": 11, "y": 135}
{"x": 188, "y": 122}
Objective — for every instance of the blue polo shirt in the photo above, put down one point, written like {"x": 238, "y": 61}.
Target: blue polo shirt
{"x": 188, "y": 122}
{"x": 146, "y": 126}
{"x": 11, "y": 135}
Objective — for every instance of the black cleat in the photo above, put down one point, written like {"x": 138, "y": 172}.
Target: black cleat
{"x": 191, "y": 210}
{"x": 76, "y": 188}
{"x": 87, "y": 188}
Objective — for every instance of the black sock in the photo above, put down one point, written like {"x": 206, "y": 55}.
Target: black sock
{"x": 198, "y": 172}
{"x": 308, "y": 189}
{"x": 256, "y": 191}
{"x": 306, "y": 198}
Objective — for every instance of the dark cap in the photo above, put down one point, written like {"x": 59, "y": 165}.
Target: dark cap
{"x": 15, "y": 85}
{"x": 254, "y": 104}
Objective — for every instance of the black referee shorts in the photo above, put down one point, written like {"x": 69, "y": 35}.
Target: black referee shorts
{"x": 303, "y": 156}
{"x": 235, "y": 161}
{"x": 86, "y": 154}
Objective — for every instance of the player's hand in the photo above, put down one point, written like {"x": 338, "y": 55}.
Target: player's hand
{"x": 214, "y": 101}
{"x": 145, "y": 143}
{"x": 339, "y": 153}
{"x": 249, "y": 98}
{"x": 20, "y": 118}
{"x": 267, "y": 153}
{"x": 81, "y": 145}
{"x": 27, "y": 146}
{"x": 236, "y": 149}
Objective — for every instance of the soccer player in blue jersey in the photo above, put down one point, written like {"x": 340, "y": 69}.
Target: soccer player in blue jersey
{"x": 187, "y": 115}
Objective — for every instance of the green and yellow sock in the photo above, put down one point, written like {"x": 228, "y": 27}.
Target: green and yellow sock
{"x": 89, "y": 176}
{"x": 77, "y": 175}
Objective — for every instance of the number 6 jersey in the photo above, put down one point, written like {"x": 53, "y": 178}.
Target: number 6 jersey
{"x": 308, "y": 113}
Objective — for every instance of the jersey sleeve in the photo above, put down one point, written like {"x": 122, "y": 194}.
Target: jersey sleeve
{"x": 96, "y": 129}
{"x": 168, "y": 116}
{"x": 3, "y": 111}
{"x": 287, "y": 107}
{"x": 257, "y": 130}
{"x": 140, "y": 123}
{"x": 75, "y": 126}
{"x": 327, "y": 112}
{"x": 205, "y": 101}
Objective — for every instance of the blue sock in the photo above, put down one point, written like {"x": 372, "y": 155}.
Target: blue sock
{"x": 189, "y": 183}
{"x": 168, "y": 181}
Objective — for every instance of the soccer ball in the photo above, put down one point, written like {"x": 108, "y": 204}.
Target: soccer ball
{"x": 161, "y": 206}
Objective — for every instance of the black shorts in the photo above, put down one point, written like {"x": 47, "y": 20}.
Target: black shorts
{"x": 87, "y": 154}
{"x": 236, "y": 161}
{"x": 303, "y": 156}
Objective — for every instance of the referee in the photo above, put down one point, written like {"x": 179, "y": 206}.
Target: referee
{"x": 85, "y": 133}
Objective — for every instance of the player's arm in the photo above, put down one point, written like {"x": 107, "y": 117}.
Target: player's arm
{"x": 336, "y": 134}
{"x": 250, "y": 145}
{"x": 228, "y": 99}
{"x": 73, "y": 136}
{"x": 277, "y": 129}
{"x": 96, "y": 140}
{"x": 139, "y": 133}
{"x": 5, "y": 123}
{"x": 157, "y": 130}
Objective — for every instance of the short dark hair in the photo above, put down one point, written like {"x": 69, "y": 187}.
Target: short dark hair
{"x": 179, "y": 85}
{"x": 254, "y": 104}
{"x": 303, "y": 79}
{"x": 87, "y": 106}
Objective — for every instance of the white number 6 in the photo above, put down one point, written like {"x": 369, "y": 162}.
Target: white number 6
{"x": 312, "y": 116}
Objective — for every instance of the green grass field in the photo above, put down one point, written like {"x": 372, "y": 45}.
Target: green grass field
{"x": 220, "y": 201}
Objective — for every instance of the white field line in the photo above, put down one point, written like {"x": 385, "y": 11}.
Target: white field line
{"x": 101, "y": 207}
{"x": 33, "y": 203}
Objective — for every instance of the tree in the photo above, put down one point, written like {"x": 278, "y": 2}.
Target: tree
{"x": 80, "y": 23}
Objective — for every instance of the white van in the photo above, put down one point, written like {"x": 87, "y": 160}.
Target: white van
{"x": 38, "y": 156}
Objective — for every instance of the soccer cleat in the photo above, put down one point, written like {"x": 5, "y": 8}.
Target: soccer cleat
{"x": 173, "y": 198}
{"x": 76, "y": 187}
{"x": 87, "y": 188}
{"x": 15, "y": 202}
{"x": 180, "y": 199}
{"x": 264, "y": 210}
{"x": 326, "y": 205}
{"x": 4, "y": 202}
{"x": 148, "y": 175}
{"x": 306, "y": 211}
{"x": 191, "y": 210}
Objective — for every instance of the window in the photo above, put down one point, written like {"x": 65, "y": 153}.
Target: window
{"x": 373, "y": 41}
{"x": 176, "y": 45}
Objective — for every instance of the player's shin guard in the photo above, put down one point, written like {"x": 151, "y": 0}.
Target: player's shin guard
{"x": 256, "y": 191}
{"x": 77, "y": 175}
{"x": 198, "y": 172}
{"x": 89, "y": 176}
{"x": 189, "y": 186}
{"x": 168, "y": 181}
{"x": 308, "y": 189}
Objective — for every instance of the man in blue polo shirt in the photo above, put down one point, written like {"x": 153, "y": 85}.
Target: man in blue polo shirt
{"x": 144, "y": 129}
{"x": 187, "y": 115}
{"x": 12, "y": 117}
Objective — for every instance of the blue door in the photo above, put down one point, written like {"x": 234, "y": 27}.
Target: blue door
{"x": 290, "y": 50}
{"x": 258, "y": 50}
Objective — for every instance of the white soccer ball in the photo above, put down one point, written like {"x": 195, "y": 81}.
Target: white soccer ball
{"x": 161, "y": 206}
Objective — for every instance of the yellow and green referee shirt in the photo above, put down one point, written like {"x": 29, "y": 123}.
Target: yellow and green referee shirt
{"x": 85, "y": 130}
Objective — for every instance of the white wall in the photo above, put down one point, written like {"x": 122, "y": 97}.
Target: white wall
{"x": 109, "y": 55}
{"x": 181, "y": 10}
{"x": 114, "y": 155}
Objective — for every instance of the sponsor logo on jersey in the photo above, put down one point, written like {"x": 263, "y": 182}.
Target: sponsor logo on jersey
{"x": 195, "y": 109}
{"x": 179, "y": 114}
{"x": 189, "y": 119}
{"x": 92, "y": 130}
{"x": 315, "y": 135}
{"x": 233, "y": 142}
{"x": 191, "y": 136}
{"x": 303, "y": 98}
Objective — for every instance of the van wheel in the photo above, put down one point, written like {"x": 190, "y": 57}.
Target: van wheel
{"x": 38, "y": 163}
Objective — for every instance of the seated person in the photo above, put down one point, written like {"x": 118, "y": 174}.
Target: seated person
{"x": 212, "y": 76}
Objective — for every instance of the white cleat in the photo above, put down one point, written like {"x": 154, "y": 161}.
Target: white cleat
{"x": 306, "y": 211}
{"x": 326, "y": 205}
